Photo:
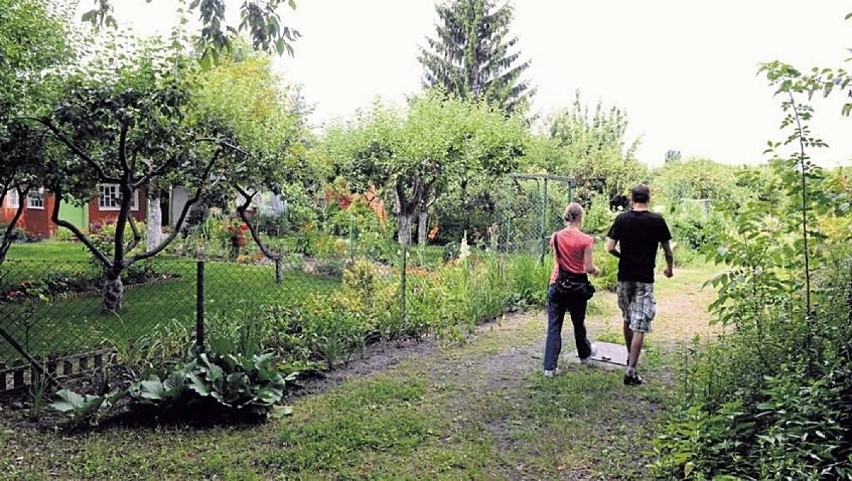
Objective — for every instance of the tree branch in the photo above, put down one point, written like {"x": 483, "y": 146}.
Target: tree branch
{"x": 122, "y": 149}
{"x": 79, "y": 152}
{"x": 222, "y": 143}
{"x": 189, "y": 203}
{"x": 150, "y": 175}
{"x": 7, "y": 235}
{"x": 77, "y": 232}
{"x": 241, "y": 211}
{"x": 137, "y": 237}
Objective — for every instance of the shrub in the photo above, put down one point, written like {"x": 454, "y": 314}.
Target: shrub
{"x": 212, "y": 383}
{"x": 204, "y": 385}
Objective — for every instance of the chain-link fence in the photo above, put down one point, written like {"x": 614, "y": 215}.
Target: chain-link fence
{"x": 532, "y": 212}
{"x": 51, "y": 314}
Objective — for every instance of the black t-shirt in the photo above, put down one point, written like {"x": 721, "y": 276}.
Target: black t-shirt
{"x": 638, "y": 234}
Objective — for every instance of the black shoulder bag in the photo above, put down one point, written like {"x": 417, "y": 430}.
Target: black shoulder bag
{"x": 568, "y": 283}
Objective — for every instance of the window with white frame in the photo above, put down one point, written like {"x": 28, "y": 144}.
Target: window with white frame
{"x": 35, "y": 199}
{"x": 12, "y": 199}
{"x": 109, "y": 198}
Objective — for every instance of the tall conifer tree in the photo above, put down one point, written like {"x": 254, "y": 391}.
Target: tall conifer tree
{"x": 473, "y": 55}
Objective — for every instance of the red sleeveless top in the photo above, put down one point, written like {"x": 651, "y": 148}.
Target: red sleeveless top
{"x": 572, "y": 248}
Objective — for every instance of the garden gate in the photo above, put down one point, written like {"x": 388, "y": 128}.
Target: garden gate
{"x": 532, "y": 211}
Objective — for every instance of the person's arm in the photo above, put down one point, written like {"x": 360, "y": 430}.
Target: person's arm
{"x": 610, "y": 247}
{"x": 667, "y": 250}
{"x": 589, "y": 260}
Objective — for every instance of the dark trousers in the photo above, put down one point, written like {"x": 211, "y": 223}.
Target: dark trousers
{"x": 556, "y": 306}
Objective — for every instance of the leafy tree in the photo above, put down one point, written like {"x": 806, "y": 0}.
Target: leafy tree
{"x": 697, "y": 179}
{"x": 440, "y": 143}
{"x": 122, "y": 120}
{"x": 240, "y": 100}
{"x": 591, "y": 148}
{"x": 472, "y": 55}
{"x": 260, "y": 19}
{"x": 32, "y": 38}
{"x": 673, "y": 156}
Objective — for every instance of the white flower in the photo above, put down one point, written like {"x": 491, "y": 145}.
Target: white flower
{"x": 464, "y": 248}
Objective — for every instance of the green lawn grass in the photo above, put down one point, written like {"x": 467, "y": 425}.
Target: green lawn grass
{"x": 59, "y": 325}
{"x": 49, "y": 251}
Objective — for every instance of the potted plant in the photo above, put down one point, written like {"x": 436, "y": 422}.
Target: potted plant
{"x": 237, "y": 229}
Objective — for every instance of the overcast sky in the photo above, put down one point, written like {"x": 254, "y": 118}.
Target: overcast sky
{"x": 684, "y": 71}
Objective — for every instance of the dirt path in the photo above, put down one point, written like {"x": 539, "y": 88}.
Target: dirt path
{"x": 489, "y": 397}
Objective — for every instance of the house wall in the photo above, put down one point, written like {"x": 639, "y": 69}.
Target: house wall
{"x": 77, "y": 215}
{"x": 36, "y": 222}
{"x": 179, "y": 198}
{"x": 107, "y": 216}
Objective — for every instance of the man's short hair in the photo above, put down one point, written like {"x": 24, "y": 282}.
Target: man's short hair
{"x": 641, "y": 193}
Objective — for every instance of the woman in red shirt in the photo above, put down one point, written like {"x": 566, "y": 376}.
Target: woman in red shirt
{"x": 575, "y": 257}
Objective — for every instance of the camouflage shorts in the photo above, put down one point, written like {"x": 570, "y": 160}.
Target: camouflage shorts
{"x": 637, "y": 304}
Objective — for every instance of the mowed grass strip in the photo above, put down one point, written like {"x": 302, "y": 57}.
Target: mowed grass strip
{"x": 72, "y": 325}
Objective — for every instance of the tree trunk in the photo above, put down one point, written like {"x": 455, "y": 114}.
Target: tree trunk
{"x": 423, "y": 225}
{"x": 279, "y": 270}
{"x": 112, "y": 293}
{"x": 155, "y": 222}
{"x": 404, "y": 221}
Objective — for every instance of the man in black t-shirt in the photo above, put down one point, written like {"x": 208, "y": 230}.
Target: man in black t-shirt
{"x": 638, "y": 232}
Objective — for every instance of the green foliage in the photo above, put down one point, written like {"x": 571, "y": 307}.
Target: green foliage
{"x": 464, "y": 65}
{"x": 39, "y": 393}
{"x": 238, "y": 332}
{"x": 608, "y": 266}
{"x": 85, "y": 409}
{"x": 591, "y": 148}
{"x": 770, "y": 400}
{"x": 415, "y": 158}
{"x": 32, "y": 41}
{"x": 696, "y": 230}
{"x": 598, "y": 217}
{"x": 262, "y": 23}
{"x": 527, "y": 276}
{"x": 204, "y": 384}
{"x": 228, "y": 383}
{"x": 696, "y": 178}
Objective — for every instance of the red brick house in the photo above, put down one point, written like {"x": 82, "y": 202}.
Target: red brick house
{"x": 39, "y": 205}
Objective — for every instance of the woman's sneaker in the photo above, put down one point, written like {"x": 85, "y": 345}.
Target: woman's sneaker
{"x": 633, "y": 380}
{"x": 594, "y": 353}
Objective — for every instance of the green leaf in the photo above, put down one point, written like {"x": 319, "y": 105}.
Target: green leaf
{"x": 198, "y": 384}
{"x": 70, "y": 401}
{"x": 152, "y": 389}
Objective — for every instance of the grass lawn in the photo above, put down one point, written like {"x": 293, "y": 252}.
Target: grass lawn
{"x": 49, "y": 251}
{"x": 71, "y": 325}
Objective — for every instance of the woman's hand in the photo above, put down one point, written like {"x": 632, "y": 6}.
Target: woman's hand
{"x": 595, "y": 272}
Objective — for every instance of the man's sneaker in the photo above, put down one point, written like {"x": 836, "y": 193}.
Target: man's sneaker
{"x": 633, "y": 380}
{"x": 549, "y": 372}
{"x": 594, "y": 353}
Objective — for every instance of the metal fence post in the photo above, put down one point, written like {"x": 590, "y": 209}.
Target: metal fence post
{"x": 199, "y": 304}
{"x": 352, "y": 238}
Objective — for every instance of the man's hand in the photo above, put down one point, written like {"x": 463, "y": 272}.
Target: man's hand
{"x": 668, "y": 272}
